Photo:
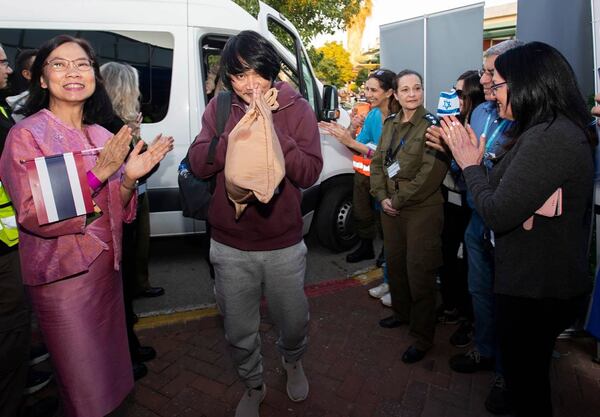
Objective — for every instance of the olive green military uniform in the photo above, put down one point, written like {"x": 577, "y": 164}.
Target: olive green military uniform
{"x": 364, "y": 214}
{"x": 412, "y": 239}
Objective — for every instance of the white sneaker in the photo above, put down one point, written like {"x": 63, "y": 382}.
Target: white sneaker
{"x": 250, "y": 402}
{"x": 380, "y": 290}
{"x": 386, "y": 300}
{"x": 297, "y": 384}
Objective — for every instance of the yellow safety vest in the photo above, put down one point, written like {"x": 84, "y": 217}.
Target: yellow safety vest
{"x": 8, "y": 221}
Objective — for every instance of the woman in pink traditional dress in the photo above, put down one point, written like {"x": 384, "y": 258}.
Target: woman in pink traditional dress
{"x": 70, "y": 267}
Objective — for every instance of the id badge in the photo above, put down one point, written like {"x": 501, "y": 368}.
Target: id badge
{"x": 393, "y": 169}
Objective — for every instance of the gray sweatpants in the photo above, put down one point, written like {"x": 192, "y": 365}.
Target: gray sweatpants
{"x": 241, "y": 278}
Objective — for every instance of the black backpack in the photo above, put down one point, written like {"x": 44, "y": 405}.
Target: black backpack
{"x": 195, "y": 193}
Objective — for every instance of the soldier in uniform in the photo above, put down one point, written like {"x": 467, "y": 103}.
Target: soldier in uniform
{"x": 405, "y": 178}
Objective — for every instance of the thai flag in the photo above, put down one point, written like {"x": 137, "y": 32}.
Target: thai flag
{"x": 59, "y": 187}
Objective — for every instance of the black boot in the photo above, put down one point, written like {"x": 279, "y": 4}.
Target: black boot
{"x": 140, "y": 370}
{"x": 362, "y": 253}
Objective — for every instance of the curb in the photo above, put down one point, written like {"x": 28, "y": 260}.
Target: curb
{"x": 358, "y": 278}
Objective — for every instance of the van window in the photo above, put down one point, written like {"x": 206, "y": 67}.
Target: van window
{"x": 292, "y": 44}
{"x": 151, "y": 53}
{"x": 211, "y": 47}
{"x": 210, "y": 56}
{"x": 309, "y": 81}
{"x": 288, "y": 75}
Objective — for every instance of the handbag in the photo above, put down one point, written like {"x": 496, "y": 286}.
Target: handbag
{"x": 551, "y": 208}
{"x": 195, "y": 193}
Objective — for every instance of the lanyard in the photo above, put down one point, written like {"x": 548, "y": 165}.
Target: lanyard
{"x": 391, "y": 155}
{"x": 400, "y": 145}
{"x": 491, "y": 139}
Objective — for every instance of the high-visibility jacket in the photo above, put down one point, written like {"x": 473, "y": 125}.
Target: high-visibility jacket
{"x": 8, "y": 221}
{"x": 361, "y": 164}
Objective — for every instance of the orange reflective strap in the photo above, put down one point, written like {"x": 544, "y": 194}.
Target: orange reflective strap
{"x": 361, "y": 164}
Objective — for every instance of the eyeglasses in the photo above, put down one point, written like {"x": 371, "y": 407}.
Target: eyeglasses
{"x": 4, "y": 63}
{"x": 495, "y": 87}
{"x": 62, "y": 65}
{"x": 459, "y": 93}
{"x": 484, "y": 71}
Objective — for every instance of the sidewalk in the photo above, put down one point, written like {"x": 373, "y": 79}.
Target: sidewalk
{"x": 352, "y": 364}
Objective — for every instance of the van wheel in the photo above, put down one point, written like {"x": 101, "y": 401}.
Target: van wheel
{"x": 334, "y": 225}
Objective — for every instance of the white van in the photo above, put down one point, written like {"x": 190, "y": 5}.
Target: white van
{"x": 173, "y": 44}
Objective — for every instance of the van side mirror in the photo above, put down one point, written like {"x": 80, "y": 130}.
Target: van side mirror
{"x": 330, "y": 107}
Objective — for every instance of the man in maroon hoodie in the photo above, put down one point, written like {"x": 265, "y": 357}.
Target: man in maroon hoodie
{"x": 262, "y": 252}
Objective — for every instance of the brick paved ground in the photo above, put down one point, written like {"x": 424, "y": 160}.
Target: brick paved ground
{"x": 353, "y": 367}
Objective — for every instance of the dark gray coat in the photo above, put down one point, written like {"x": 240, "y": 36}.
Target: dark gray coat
{"x": 551, "y": 260}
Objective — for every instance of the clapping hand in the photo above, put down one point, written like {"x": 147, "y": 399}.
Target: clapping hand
{"x": 466, "y": 149}
{"x": 433, "y": 139}
{"x": 135, "y": 127}
{"x": 337, "y": 131}
{"x": 358, "y": 120}
{"x": 113, "y": 154}
{"x": 139, "y": 164}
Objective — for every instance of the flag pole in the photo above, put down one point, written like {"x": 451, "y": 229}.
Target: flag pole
{"x": 83, "y": 152}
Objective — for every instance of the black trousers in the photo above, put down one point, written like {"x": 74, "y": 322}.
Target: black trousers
{"x": 527, "y": 329}
{"x": 453, "y": 274}
{"x": 128, "y": 272}
{"x": 15, "y": 335}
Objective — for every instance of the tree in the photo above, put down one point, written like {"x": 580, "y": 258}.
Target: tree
{"x": 311, "y": 17}
{"x": 362, "y": 76}
{"x": 332, "y": 64}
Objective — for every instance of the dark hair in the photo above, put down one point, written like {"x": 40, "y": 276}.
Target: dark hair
{"x": 97, "y": 108}
{"x": 19, "y": 83}
{"x": 541, "y": 85}
{"x": 386, "y": 82}
{"x": 404, "y": 73}
{"x": 249, "y": 50}
{"x": 472, "y": 94}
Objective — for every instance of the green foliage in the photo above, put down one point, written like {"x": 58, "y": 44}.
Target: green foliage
{"x": 362, "y": 76}
{"x": 251, "y": 6}
{"x": 331, "y": 63}
{"x": 310, "y": 17}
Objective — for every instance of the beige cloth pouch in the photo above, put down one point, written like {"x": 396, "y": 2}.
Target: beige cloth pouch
{"x": 254, "y": 164}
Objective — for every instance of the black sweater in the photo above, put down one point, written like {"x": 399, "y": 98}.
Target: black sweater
{"x": 549, "y": 261}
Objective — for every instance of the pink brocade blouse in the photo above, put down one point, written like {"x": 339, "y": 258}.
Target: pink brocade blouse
{"x": 65, "y": 248}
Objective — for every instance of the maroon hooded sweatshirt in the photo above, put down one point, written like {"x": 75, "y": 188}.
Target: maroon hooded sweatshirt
{"x": 277, "y": 224}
